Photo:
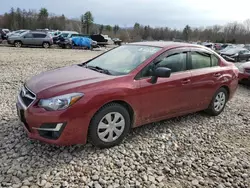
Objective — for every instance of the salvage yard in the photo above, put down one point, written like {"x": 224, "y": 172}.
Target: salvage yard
{"x": 194, "y": 150}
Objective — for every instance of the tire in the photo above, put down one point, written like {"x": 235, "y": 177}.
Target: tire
{"x": 18, "y": 44}
{"x": 68, "y": 46}
{"x": 102, "y": 126}
{"x": 220, "y": 98}
{"x": 46, "y": 45}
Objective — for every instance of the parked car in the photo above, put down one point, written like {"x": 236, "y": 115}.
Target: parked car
{"x": 77, "y": 41}
{"x": 244, "y": 73}
{"x": 62, "y": 35}
{"x": 117, "y": 41}
{"x": 32, "y": 38}
{"x": 236, "y": 54}
{"x": 226, "y": 47}
{"x": 100, "y": 39}
{"x": 3, "y": 33}
{"x": 128, "y": 86}
{"x": 18, "y": 32}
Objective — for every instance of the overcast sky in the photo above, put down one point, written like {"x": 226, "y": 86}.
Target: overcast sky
{"x": 171, "y": 13}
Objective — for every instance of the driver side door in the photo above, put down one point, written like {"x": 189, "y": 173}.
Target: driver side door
{"x": 168, "y": 97}
{"x": 28, "y": 39}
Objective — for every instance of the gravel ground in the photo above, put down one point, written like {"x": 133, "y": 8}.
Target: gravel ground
{"x": 190, "y": 151}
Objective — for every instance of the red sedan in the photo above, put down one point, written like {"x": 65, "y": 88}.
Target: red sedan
{"x": 102, "y": 99}
{"x": 244, "y": 74}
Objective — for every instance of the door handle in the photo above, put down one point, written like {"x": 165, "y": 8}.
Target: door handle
{"x": 185, "y": 81}
{"x": 217, "y": 74}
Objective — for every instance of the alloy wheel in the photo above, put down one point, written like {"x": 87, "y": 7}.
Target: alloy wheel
{"x": 220, "y": 101}
{"x": 18, "y": 44}
{"x": 46, "y": 45}
{"x": 111, "y": 127}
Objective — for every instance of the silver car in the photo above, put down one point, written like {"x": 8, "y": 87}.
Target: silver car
{"x": 32, "y": 38}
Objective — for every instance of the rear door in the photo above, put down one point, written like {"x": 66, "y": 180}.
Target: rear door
{"x": 28, "y": 39}
{"x": 206, "y": 74}
{"x": 39, "y": 38}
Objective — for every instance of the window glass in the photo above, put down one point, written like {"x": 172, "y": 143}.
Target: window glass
{"x": 176, "y": 62}
{"x": 29, "y": 35}
{"x": 200, "y": 60}
{"x": 215, "y": 61}
{"x": 64, "y": 35}
{"x": 124, "y": 59}
{"x": 39, "y": 35}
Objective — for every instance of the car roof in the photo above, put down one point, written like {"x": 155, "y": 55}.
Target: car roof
{"x": 165, "y": 44}
{"x": 38, "y": 32}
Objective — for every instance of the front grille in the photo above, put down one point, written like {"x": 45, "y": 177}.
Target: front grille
{"x": 27, "y": 96}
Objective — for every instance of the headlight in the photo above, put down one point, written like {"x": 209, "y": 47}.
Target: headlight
{"x": 241, "y": 69}
{"x": 60, "y": 102}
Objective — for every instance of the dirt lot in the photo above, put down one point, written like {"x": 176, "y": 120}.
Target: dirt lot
{"x": 194, "y": 150}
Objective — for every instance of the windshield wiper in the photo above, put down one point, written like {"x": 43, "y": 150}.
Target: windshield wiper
{"x": 98, "y": 69}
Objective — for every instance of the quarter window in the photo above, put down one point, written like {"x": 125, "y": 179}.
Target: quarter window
{"x": 200, "y": 60}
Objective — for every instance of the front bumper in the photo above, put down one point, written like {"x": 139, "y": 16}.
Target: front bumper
{"x": 54, "y": 127}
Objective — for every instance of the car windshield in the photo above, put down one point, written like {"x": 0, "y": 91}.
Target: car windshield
{"x": 122, "y": 60}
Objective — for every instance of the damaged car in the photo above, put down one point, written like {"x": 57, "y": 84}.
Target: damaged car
{"x": 102, "y": 99}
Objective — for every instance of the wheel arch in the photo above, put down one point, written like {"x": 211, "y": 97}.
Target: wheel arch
{"x": 227, "y": 89}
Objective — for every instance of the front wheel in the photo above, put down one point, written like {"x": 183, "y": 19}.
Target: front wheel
{"x": 109, "y": 126}
{"x": 18, "y": 44}
{"x": 218, "y": 102}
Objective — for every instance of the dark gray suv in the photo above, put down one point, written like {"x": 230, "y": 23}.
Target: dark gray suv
{"x": 31, "y": 38}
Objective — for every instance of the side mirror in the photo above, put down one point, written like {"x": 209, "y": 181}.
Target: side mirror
{"x": 161, "y": 72}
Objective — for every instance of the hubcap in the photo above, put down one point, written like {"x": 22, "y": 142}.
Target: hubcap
{"x": 45, "y": 45}
{"x": 18, "y": 44}
{"x": 219, "y": 101}
{"x": 111, "y": 127}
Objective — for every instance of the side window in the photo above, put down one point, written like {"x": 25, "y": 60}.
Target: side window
{"x": 215, "y": 61}
{"x": 38, "y": 35}
{"x": 200, "y": 60}
{"x": 29, "y": 35}
{"x": 176, "y": 62}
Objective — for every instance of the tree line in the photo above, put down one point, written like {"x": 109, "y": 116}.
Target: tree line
{"x": 15, "y": 19}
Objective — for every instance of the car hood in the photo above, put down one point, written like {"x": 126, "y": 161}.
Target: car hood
{"x": 59, "y": 80}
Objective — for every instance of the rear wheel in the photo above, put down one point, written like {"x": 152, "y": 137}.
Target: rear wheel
{"x": 18, "y": 44}
{"x": 46, "y": 45}
{"x": 218, "y": 102}
{"x": 109, "y": 126}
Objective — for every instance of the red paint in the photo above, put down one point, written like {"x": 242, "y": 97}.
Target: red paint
{"x": 182, "y": 93}
{"x": 244, "y": 76}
